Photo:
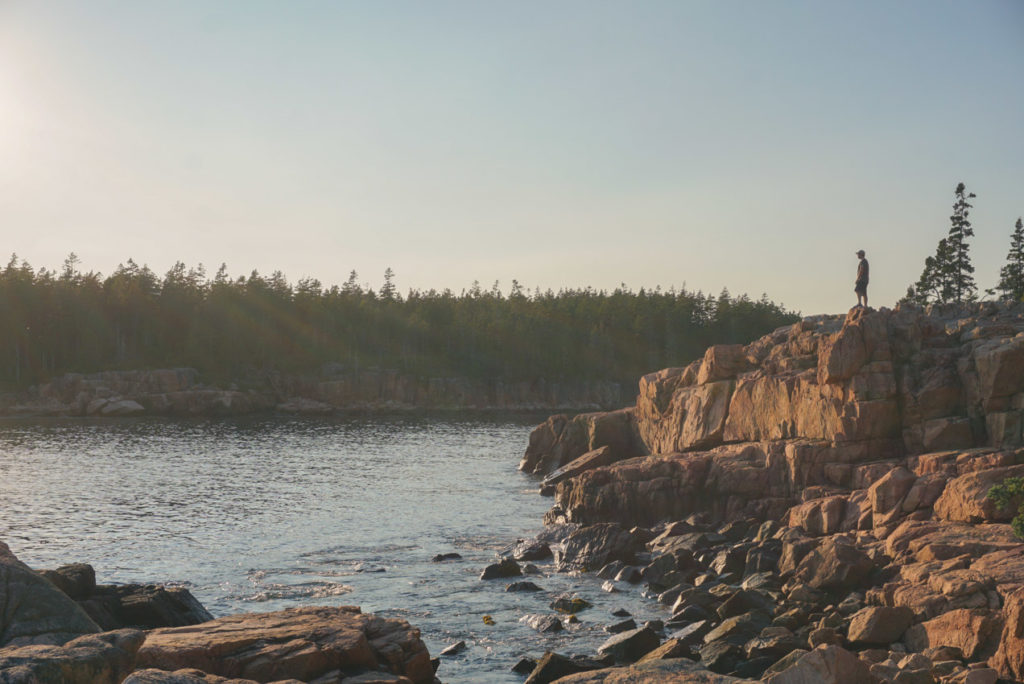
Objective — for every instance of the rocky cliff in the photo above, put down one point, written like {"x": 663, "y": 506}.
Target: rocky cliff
{"x": 868, "y": 442}
{"x": 179, "y": 392}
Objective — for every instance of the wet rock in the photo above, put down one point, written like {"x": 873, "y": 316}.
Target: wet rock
{"x": 442, "y": 557}
{"x": 299, "y": 643}
{"x": 630, "y": 646}
{"x": 77, "y": 580}
{"x": 33, "y": 610}
{"x": 629, "y": 574}
{"x": 553, "y": 666}
{"x": 505, "y": 568}
{"x": 525, "y": 666}
{"x": 105, "y": 658}
{"x": 621, "y": 612}
{"x": 528, "y": 550}
{"x": 624, "y": 626}
{"x": 455, "y": 649}
{"x": 594, "y": 546}
{"x": 610, "y": 570}
{"x": 570, "y": 604}
{"x": 144, "y": 606}
{"x": 522, "y": 586}
{"x": 609, "y": 587}
{"x": 879, "y": 625}
{"x": 542, "y": 623}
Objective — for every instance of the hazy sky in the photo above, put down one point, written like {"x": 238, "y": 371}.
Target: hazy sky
{"x": 754, "y": 145}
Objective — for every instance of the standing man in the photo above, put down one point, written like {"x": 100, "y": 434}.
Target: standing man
{"x": 861, "y": 286}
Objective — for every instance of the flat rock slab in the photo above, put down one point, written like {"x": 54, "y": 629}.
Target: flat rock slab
{"x": 104, "y": 658}
{"x": 299, "y": 643}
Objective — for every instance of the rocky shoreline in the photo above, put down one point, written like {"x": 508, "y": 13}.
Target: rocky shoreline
{"x": 811, "y": 507}
{"x": 180, "y": 392}
{"x": 59, "y": 627}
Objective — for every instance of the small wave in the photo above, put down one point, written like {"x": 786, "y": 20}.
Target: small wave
{"x": 310, "y": 590}
{"x": 255, "y": 575}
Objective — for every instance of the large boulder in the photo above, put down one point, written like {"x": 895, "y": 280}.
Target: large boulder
{"x": 105, "y": 658}
{"x": 965, "y": 498}
{"x": 975, "y": 631}
{"x": 561, "y": 440}
{"x": 825, "y": 665}
{"x": 33, "y": 610}
{"x": 299, "y": 643}
{"x": 879, "y": 625}
{"x": 1009, "y": 658}
{"x": 836, "y": 565}
{"x": 631, "y": 645}
{"x": 144, "y": 606}
{"x": 591, "y": 548}
{"x": 638, "y": 491}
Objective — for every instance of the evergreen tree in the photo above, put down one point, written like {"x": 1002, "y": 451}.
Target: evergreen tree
{"x": 947, "y": 275}
{"x": 958, "y": 269}
{"x": 1011, "y": 276}
{"x": 388, "y": 291}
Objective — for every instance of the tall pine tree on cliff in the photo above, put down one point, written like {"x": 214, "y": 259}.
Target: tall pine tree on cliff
{"x": 958, "y": 268}
{"x": 947, "y": 275}
{"x": 1011, "y": 276}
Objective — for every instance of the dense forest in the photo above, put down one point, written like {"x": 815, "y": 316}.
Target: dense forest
{"x": 68, "y": 320}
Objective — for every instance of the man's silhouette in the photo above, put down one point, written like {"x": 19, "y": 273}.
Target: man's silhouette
{"x": 861, "y": 285}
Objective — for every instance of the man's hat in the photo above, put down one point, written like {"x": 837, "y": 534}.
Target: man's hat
{"x": 860, "y": 252}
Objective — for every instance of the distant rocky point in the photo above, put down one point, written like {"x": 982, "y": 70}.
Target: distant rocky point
{"x": 179, "y": 392}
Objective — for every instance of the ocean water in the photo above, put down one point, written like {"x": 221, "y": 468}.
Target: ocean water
{"x": 261, "y": 514}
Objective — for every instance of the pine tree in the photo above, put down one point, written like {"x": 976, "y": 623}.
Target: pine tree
{"x": 1011, "y": 276}
{"x": 947, "y": 275}
{"x": 388, "y": 291}
{"x": 958, "y": 268}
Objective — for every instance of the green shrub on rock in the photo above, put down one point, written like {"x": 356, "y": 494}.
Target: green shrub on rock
{"x": 1010, "y": 492}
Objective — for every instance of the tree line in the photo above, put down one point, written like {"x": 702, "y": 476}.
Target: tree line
{"x": 948, "y": 275}
{"x": 229, "y": 328}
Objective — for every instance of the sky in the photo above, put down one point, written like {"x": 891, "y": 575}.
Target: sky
{"x": 567, "y": 143}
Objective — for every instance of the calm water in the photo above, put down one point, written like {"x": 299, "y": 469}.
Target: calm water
{"x": 265, "y": 514}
